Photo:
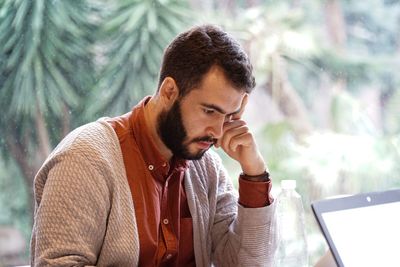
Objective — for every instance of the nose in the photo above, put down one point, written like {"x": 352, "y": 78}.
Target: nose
{"x": 216, "y": 129}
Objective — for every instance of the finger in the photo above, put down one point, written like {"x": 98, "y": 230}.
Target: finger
{"x": 227, "y": 127}
{"x": 238, "y": 115}
{"x": 229, "y": 135}
{"x": 233, "y": 124}
{"x": 244, "y": 139}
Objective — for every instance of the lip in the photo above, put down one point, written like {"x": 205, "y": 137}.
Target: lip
{"x": 204, "y": 144}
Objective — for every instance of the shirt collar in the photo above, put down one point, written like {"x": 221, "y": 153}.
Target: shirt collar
{"x": 155, "y": 162}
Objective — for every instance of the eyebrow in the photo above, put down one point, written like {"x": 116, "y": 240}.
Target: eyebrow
{"x": 219, "y": 109}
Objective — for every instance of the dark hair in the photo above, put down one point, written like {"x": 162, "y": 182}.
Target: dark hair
{"x": 192, "y": 53}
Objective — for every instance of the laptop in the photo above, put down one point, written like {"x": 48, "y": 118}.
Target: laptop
{"x": 362, "y": 230}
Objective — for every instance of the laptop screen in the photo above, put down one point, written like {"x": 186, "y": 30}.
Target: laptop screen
{"x": 362, "y": 230}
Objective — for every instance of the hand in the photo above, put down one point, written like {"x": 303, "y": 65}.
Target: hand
{"x": 238, "y": 142}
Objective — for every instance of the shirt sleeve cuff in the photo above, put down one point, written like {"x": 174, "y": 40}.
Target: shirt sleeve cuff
{"x": 254, "y": 194}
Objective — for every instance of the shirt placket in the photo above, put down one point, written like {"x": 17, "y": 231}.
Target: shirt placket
{"x": 170, "y": 239}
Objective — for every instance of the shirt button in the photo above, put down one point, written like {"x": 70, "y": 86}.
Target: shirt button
{"x": 165, "y": 221}
{"x": 151, "y": 167}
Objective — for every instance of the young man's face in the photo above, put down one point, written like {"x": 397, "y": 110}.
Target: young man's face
{"x": 195, "y": 122}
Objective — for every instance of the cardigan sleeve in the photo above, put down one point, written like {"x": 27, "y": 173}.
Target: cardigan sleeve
{"x": 71, "y": 213}
{"x": 84, "y": 213}
{"x": 240, "y": 236}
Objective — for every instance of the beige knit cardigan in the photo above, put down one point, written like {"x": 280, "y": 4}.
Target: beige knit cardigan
{"x": 84, "y": 213}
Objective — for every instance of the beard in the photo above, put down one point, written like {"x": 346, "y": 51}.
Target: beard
{"x": 173, "y": 134}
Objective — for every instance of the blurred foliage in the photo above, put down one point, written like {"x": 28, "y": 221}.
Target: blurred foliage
{"x": 61, "y": 64}
{"x": 135, "y": 34}
{"x": 45, "y": 57}
{"x": 352, "y": 95}
{"x": 14, "y": 210}
{"x": 45, "y": 72}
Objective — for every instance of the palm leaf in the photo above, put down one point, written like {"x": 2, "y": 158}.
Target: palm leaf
{"x": 134, "y": 35}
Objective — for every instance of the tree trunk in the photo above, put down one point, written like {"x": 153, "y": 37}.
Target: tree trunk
{"x": 19, "y": 153}
{"x": 336, "y": 29}
{"x": 27, "y": 163}
{"x": 336, "y": 25}
{"x": 251, "y": 3}
{"x": 289, "y": 102}
{"x": 296, "y": 3}
{"x": 42, "y": 135}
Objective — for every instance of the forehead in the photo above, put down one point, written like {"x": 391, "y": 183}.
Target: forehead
{"x": 216, "y": 89}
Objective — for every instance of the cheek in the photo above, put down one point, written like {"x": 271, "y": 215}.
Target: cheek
{"x": 194, "y": 126}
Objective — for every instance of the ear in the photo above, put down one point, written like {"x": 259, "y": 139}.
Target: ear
{"x": 168, "y": 91}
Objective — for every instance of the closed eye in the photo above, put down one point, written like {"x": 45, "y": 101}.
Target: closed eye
{"x": 208, "y": 111}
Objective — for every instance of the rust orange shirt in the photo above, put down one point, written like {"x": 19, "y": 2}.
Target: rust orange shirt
{"x": 157, "y": 186}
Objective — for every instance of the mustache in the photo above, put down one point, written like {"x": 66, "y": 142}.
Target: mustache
{"x": 205, "y": 139}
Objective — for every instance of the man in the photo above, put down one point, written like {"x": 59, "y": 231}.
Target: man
{"x": 143, "y": 189}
